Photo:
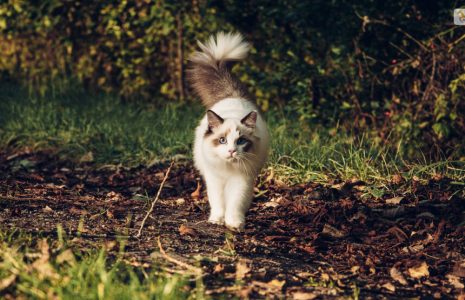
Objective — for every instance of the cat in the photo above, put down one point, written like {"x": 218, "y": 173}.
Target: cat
{"x": 232, "y": 140}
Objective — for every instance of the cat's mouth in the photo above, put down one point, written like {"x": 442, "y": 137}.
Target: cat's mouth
{"x": 232, "y": 159}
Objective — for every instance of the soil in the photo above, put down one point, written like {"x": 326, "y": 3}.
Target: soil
{"x": 302, "y": 241}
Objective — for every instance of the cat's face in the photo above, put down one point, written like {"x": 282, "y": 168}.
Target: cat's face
{"x": 230, "y": 139}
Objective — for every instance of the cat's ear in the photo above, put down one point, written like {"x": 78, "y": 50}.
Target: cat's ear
{"x": 213, "y": 119}
{"x": 250, "y": 120}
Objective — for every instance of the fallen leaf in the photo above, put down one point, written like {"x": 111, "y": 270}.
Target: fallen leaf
{"x": 394, "y": 200}
{"x": 459, "y": 269}
{"x": 88, "y": 157}
{"x": 455, "y": 281}
{"x": 276, "y": 284}
{"x": 355, "y": 269}
{"x": 274, "y": 202}
{"x": 7, "y": 281}
{"x": 76, "y": 211}
{"x": 110, "y": 214}
{"x": 397, "y": 179}
{"x": 42, "y": 265}
{"x": 303, "y": 296}
{"x": 308, "y": 249}
{"x": 47, "y": 209}
{"x": 180, "y": 201}
{"x": 242, "y": 269}
{"x": 332, "y": 231}
{"x": 66, "y": 256}
{"x": 196, "y": 194}
{"x": 186, "y": 230}
{"x": 397, "y": 276}
{"x": 113, "y": 196}
{"x": 419, "y": 271}
{"x": 413, "y": 249}
{"x": 389, "y": 286}
{"x": 218, "y": 268}
{"x": 270, "y": 176}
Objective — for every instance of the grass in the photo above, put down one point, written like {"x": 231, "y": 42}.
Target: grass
{"x": 100, "y": 128}
{"x": 38, "y": 268}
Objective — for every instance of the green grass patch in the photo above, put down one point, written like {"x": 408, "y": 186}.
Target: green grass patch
{"x": 38, "y": 268}
{"x": 105, "y": 130}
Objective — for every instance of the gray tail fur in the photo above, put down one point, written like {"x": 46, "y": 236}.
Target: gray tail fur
{"x": 209, "y": 73}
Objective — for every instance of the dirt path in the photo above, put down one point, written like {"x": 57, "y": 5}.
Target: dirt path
{"x": 304, "y": 241}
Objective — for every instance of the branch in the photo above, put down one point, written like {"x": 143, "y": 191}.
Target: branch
{"x": 154, "y": 200}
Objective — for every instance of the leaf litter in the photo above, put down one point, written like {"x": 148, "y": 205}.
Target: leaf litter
{"x": 303, "y": 241}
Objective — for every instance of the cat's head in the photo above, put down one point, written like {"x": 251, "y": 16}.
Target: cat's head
{"x": 231, "y": 140}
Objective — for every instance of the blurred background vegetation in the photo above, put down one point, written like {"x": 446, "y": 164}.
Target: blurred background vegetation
{"x": 394, "y": 70}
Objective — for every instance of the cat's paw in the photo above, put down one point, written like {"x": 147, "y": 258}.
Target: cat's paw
{"x": 235, "y": 224}
{"x": 219, "y": 220}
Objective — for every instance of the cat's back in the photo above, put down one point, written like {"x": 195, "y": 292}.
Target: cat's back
{"x": 233, "y": 107}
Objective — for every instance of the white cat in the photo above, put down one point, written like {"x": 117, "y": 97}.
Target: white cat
{"x": 231, "y": 142}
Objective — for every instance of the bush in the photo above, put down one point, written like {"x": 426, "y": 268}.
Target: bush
{"x": 395, "y": 69}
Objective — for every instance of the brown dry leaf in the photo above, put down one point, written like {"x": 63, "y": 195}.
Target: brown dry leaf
{"x": 394, "y": 200}
{"x": 459, "y": 269}
{"x": 66, "y": 256}
{"x": 303, "y": 296}
{"x": 88, "y": 157}
{"x": 355, "y": 269}
{"x": 186, "y": 230}
{"x": 7, "y": 281}
{"x": 180, "y": 201}
{"x": 196, "y": 194}
{"x": 419, "y": 271}
{"x": 47, "y": 209}
{"x": 270, "y": 176}
{"x": 332, "y": 231}
{"x": 113, "y": 196}
{"x": 42, "y": 264}
{"x": 218, "y": 268}
{"x": 276, "y": 284}
{"x": 397, "y": 276}
{"x": 242, "y": 269}
{"x": 110, "y": 214}
{"x": 455, "y": 281}
{"x": 110, "y": 245}
{"x": 397, "y": 179}
{"x": 76, "y": 211}
{"x": 389, "y": 286}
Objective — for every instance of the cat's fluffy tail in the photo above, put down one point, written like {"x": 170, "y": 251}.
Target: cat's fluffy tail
{"x": 209, "y": 73}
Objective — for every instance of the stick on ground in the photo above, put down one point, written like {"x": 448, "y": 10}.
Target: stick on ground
{"x": 152, "y": 204}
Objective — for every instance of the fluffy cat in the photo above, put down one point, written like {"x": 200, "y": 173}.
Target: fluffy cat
{"x": 231, "y": 142}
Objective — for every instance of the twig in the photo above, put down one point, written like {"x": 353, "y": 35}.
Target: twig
{"x": 196, "y": 270}
{"x": 152, "y": 205}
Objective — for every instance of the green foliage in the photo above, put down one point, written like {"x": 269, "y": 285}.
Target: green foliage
{"x": 394, "y": 70}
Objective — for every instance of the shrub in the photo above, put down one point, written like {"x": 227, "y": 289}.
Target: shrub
{"x": 393, "y": 68}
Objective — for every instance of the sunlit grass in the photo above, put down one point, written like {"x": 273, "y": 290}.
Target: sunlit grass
{"x": 46, "y": 269}
{"x": 102, "y": 129}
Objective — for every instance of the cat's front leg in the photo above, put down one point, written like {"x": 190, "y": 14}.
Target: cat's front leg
{"x": 238, "y": 195}
{"x": 215, "y": 191}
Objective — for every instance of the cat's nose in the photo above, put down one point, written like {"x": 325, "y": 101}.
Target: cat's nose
{"x": 232, "y": 151}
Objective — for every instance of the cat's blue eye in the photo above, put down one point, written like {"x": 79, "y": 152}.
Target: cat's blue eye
{"x": 222, "y": 140}
{"x": 241, "y": 141}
